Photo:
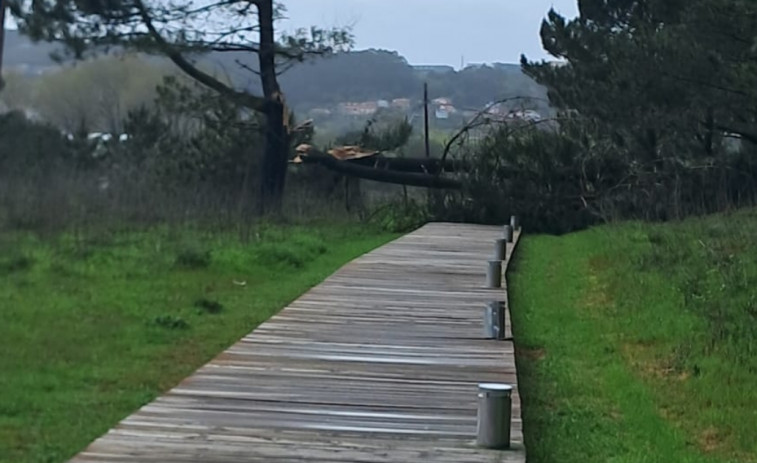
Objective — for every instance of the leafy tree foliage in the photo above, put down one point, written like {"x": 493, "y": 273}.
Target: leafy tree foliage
{"x": 181, "y": 31}
{"x": 659, "y": 99}
{"x": 28, "y": 147}
{"x": 381, "y": 133}
{"x": 97, "y": 95}
{"x": 190, "y": 155}
{"x": 193, "y": 136}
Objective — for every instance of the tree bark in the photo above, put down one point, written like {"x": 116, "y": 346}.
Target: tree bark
{"x": 271, "y": 106}
{"x": 354, "y": 169}
{"x": 423, "y": 166}
{"x": 274, "y": 167}
{"x": 2, "y": 41}
{"x": 273, "y": 172}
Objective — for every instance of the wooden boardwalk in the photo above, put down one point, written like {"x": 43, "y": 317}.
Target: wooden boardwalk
{"x": 379, "y": 363}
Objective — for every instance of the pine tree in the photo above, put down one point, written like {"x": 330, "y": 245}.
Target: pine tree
{"x": 181, "y": 31}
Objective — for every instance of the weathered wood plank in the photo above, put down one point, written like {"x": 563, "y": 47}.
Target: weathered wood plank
{"x": 379, "y": 363}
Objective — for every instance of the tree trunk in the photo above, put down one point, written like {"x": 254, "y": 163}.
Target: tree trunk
{"x": 353, "y": 195}
{"x": 358, "y": 170}
{"x": 273, "y": 172}
{"x": 274, "y": 168}
{"x": 2, "y": 40}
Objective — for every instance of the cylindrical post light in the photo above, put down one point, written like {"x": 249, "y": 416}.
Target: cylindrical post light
{"x": 494, "y": 415}
{"x": 494, "y": 274}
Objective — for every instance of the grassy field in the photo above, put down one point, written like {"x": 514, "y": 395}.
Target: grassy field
{"x": 638, "y": 343}
{"x": 92, "y": 328}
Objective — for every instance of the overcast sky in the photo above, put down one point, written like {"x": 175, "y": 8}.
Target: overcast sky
{"x": 437, "y": 31}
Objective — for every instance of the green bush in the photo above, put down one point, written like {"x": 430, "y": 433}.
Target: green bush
{"x": 193, "y": 258}
{"x": 295, "y": 253}
{"x": 16, "y": 263}
{"x": 536, "y": 174}
{"x": 29, "y": 148}
{"x": 170, "y": 322}
{"x": 400, "y": 216}
{"x": 564, "y": 178}
{"x": 208, "y": 306}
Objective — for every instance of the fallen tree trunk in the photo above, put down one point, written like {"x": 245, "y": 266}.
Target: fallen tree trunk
{"x": 370, "y": 169}
{"x": 423, "y": 166}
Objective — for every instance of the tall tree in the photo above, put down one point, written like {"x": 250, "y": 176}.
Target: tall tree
{"x": 184, "y": 30}
{"x": 2, "y": 40}
{"x": 656, "y": 64}
{"x": 659, "y": 86}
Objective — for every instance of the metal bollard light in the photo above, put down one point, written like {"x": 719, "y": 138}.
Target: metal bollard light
{"x": 494, "y": 415}
{"x": 500, "y": 250}
{"x": 494, "y": 320}
{"x": 514, "y": 222}
{"x": 494, "y": 274}
{"x": 508, "y": 233}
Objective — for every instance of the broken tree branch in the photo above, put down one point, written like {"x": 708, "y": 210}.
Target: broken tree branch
{"x": 369, "y": 169}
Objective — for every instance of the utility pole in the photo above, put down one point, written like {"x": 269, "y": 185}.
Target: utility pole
{"x": 425, "y": 118}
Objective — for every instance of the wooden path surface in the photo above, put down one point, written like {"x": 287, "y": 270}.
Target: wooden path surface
{"x": 379, "y": 363}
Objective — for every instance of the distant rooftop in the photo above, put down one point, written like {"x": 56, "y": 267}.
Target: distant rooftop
{"x": 432, "y": 68}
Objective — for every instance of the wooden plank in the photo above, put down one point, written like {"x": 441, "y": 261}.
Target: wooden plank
{"x": 379, "y": 363}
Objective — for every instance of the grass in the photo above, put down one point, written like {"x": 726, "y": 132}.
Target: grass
{"x": 638, "y": 343}
{"x": 93, "y": 328}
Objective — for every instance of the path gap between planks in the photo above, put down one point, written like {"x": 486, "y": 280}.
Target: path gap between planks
{"x": 379, "y": 363}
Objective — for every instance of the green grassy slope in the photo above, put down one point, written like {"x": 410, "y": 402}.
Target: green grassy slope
{"x": 638, "y": 343}
{"x": 92, "y": 329}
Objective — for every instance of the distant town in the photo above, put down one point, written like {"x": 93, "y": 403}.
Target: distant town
{"x": 338, "y": 93}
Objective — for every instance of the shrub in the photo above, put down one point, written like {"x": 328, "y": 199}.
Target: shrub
{"x": 567, "y": 177}
{"x": 193, "y": 258}
{"x": 170, "y": 322}
{"x": 536, "y": 174}
{"x": 400, "y": 216}
{"x": 296, "y": 253}
{"x": 206, "y": 305}
{"x": 16, "y": 263}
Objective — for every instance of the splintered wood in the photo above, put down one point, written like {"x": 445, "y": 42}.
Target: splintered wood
{"x": 379, "y": 363}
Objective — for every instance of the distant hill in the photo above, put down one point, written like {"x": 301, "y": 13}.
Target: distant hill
{"x": 355, "y": 76}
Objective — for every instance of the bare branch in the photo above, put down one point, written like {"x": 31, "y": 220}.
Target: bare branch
{"x": 235, "y": 48}
{"x": 247, "y": 100}
{"x": 481, "y": 119}
{"x": 246, "y": 67}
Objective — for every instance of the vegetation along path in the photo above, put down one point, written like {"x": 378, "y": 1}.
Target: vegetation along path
{"x": 97, "y": 323}
{"x": 379, "y": 363}
{"x": 636, "y": 342}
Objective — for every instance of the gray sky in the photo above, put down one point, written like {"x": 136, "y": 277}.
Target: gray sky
{"x": 437, "y": 31}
